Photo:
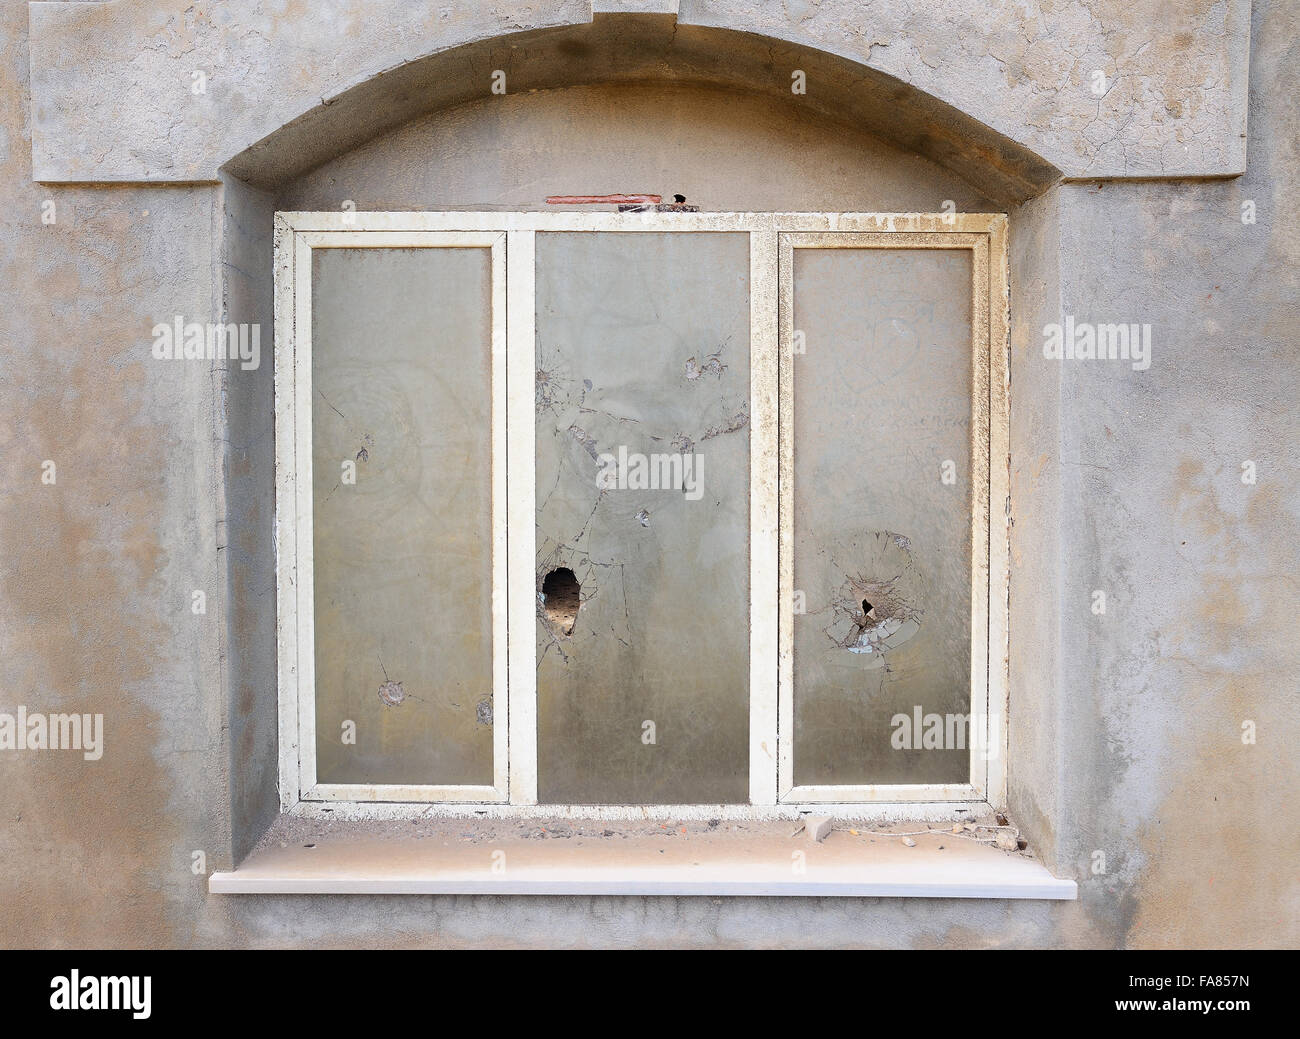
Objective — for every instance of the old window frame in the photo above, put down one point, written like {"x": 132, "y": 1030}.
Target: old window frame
{"x": 772, "y": 239}
{"x": 986, "y": 727}
{"x": 294, "y": 518}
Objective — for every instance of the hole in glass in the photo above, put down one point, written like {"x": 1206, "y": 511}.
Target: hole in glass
{"x": 560, "y": 597}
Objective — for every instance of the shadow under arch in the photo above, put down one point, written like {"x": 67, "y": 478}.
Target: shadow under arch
{"x": 630, "y": 49}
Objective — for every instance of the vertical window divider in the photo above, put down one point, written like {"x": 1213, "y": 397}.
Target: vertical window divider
{"x": 501, "y": 706}
{"x": 785, "y": 480}
{"x": 764, "y": 513}
{"x": 999, "y": 450}
{"x": 981, "y": 509}
{"x": 304, "y": 549}
{"x": 521, "y": 530}
{"x": 285, "y": 483}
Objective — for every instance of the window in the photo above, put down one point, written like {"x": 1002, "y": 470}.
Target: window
{"x": 641, "y": 509}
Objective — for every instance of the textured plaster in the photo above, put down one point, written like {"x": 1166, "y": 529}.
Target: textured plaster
{"x": 113, "y": 88}
{"x": 475, "y": 156}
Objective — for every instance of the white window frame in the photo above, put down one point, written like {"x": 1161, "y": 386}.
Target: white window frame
{"x": 294, "y": 517}
{"x": 511, "y": 238}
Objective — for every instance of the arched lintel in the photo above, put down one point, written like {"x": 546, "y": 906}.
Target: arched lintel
{"x": 652, "y": 48}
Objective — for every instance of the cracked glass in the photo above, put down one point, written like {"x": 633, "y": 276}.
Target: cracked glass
{"x": 402, "y": 514}
{"x": 642, "y": 406}
{"x": 882, "y": 516}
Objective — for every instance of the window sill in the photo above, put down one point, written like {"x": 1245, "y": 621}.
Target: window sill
{"x": 541, "y": 858}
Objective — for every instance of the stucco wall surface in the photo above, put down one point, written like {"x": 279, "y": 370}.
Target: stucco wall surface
{"x": 109, "y": 78}
{"x": 1126, "y": 727}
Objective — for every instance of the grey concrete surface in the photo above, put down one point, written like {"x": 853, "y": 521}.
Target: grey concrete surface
{"x": 1172, "y": 100}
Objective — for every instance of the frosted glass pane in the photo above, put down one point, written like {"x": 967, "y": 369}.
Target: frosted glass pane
{"x": 882, "y": 400}
{"x": 643, "y": 353}
{"x": 401, "y": 344}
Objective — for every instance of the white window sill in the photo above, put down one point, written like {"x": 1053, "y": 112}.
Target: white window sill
{"x": 536, "y": 858}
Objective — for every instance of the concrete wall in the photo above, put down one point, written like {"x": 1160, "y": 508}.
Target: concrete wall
{"x": 1125, "y": 727}
{"x": 1172, "y": 101}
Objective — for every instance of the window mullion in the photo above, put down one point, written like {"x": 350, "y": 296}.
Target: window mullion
{"x": 521, "y": 534}
{"x": 764, "y": 510}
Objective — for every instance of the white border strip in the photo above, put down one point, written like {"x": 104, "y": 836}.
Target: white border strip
{"x": 300, "y": 522}
{"x": 295, "y": 526}
{"x": 499, "y": 415}
{"x": 521, "y": 530}
{"x": 785, "y": 615}
{"x": 912, "y": 793}
{"x": 926, "y": 877}
{"x": 413, "y": 223}
{"x": 285, "y": 503}
{"x": 764, "y": 511}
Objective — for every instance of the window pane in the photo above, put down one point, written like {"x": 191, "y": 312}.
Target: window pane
{"x": 401, "y": 342}
{"x": 882, "y": 514}
{"x": 643, "y": 363}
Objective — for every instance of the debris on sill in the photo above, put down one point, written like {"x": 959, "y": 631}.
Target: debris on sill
{"x": 1000, "y": 833}
{"x": 1004, "y": 838}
